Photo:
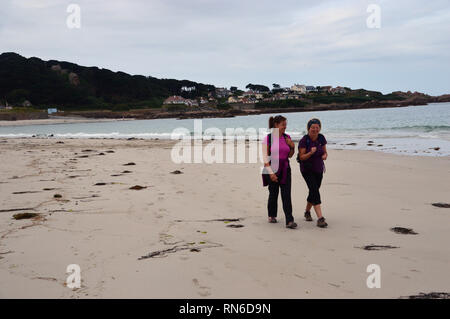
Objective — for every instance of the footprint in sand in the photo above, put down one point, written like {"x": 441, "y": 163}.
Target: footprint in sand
{"x": 202, "y": 290}
{"x": 207, "y": 271}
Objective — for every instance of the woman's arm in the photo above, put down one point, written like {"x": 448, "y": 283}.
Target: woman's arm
{"x": 325, "y": 153}
{"x": 272, "y": 175}
{"x": 304, "y": 156}
{"x": 292, "y": 147}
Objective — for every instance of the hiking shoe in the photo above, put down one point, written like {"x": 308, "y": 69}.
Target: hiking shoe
{"x": 321, "y": 223}
{"x": 308, "y": 216}
{"x": 291, "y": 225}
{"x": 272, "y": 220}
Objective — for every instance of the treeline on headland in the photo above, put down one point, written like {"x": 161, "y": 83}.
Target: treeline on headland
{"x": 70, "y": 86}
{"x": 32, "y": 86}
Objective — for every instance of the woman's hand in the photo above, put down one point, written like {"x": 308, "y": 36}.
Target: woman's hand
{"x": 290, "y": 143}
{"x": 325, "y": 153}
{"x": 313, "y": 150}
{"x": 274, "y": 178}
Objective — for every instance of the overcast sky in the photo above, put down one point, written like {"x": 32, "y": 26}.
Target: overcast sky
{"x": 236, "y": 42}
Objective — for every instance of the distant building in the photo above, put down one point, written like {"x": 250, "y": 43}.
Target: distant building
{"x": 175, "y": 99}
{"x": 53, "y": 110}
{"x": 298, "y": 88}
{"x": 233, "y": 99}
{"x": 26, "y": 103}
{"x": 310, "y": 89}
{"x": 338, "y": 90}
{"x": 222, "y": 92}
{"x": 253, "y": 93}
{"x": 325, "y": 88}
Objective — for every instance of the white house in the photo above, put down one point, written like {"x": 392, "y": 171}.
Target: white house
{"x": 233, "y": 99}
{"x": 299, "y": 88}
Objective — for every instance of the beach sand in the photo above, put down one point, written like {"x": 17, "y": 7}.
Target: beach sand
{"x": 105, "y": 229}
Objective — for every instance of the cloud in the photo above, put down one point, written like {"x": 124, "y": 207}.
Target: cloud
{"x": 236, "y": 42}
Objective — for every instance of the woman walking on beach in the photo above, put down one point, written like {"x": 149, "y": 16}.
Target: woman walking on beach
{"x": 279, "y": 146}
{"x": 312, "y": 152}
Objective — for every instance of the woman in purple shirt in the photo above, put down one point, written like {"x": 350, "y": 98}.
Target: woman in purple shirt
{"x": 280, "y": 148}
{"x": 312, "y": 153}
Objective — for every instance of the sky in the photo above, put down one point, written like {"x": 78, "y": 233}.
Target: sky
{"x": 236, "y": 42}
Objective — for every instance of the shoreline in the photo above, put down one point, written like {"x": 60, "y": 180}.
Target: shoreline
{"x": 433, "y": 152}
{"x": 150, "y": 114}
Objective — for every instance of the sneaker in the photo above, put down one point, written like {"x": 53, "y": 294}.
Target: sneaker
{"x": 272, "y": 220}
{"x": 321, "y": 222}
{"x": 291, "y": 225}
{"x": 308, "y": 216}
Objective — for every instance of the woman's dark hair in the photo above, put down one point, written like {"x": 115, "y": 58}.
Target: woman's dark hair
{"x": 313, "y": 121}
{"x": 275, "y": 120}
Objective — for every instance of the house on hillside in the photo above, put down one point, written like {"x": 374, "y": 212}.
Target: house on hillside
{"x": 233, "y": 99}
{"x": 325, "y": 88}
{"x": 175, "y": 99}
{"x": 310, "y": 88}
{"x": 222, "y": 92}
{"x": 338, "y": 90}
{"x": 298, "y": 88}
{"x": 179, "y": 100}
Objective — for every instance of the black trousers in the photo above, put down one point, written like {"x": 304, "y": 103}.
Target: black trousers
{"x": 274, "y": 189}
{"x": 313, "y": 180}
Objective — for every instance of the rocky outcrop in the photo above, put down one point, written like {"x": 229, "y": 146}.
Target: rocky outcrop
{"x": 56, "y": 68}
{"x": 74, "y": 79}
{"x": 443, "y": 98}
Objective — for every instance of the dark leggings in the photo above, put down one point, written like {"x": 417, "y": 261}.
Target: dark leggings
{"x": 313, "y": 180}
{"x": 272, "y": 204}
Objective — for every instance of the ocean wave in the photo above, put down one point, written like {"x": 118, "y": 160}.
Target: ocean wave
{"x": 426, "y": 128}
{"x": 415, "y": 128}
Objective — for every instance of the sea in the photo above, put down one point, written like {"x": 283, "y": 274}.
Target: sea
{"x": 414, "y": 130}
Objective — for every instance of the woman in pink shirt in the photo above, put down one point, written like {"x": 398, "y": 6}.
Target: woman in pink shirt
{"x": 280, "y": 148}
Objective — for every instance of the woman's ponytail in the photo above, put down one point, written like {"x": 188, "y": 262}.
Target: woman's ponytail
{"x": 275, "y": 120}
{"x": 271, "y": 122}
